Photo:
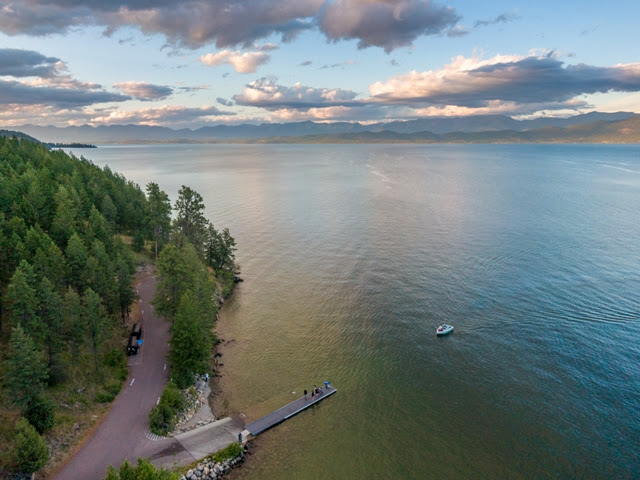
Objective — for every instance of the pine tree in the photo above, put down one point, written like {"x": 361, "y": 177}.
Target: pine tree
{"x": 21, "y": 299}
{"x": 50, "y": 314}
{"x": 76, "y": 254}
{"x": 126, "y": 294}
{"x": 65, "y": 218}
{"x": 75, "y": 326}
{"x": 95, "y": 315}
{"x": 174, "y": 272}
{"x": 51, "y": 263}
{"x": 31, "y": 450}
{"x": 190, "y": 341}
{"x": 109, "y": 210}
{"x": 158, "y": 214}
{"x": 98, "y": 228}
{"x": 190, "y": 220}
{"x": 26, "y": 370}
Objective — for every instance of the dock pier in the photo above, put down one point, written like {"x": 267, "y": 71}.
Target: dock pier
{"x": 288, "y": 411}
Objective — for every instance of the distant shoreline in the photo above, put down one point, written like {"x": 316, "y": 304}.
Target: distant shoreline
{"x": 70, "y": 145}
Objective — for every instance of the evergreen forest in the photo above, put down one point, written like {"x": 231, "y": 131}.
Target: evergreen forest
{"x": 73, "y": 237}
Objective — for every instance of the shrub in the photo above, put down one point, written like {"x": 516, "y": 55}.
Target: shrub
{"x": 143, "y": 471}
{"x": 104, "y": 397}
{"x": 113, "y": 388}
{"x": 123, "y": 373}
{"x": 39, "y": 413}
{"x": 232, "y": 451}
{"x": 31, "y": 451}
{"x": 173, "y": 398}
{"x": 116, "y": 358}
{"x": 163, "y": 416}
{"x": 161, "y": 419}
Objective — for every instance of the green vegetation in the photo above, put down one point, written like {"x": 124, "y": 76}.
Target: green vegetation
{"x": 144, "y": 470}
{"x": 71, "y": 234}
{"x": 163, "y": 416}
{"x": 30, "y": 450}
{"x": 232, "y": 451}
{"x": 65, "y": 287}
{"x": 185, "y": 289}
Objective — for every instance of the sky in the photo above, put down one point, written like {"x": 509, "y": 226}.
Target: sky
{"x": 188, "y": 64}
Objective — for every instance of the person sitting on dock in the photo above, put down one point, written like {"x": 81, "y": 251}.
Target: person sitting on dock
{"x": 315, "y": 388}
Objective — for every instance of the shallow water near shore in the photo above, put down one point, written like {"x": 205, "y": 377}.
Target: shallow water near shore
{"x": 352, "y": 255}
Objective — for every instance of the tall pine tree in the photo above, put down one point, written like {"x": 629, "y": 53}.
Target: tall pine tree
{"x": 26, "y": 370}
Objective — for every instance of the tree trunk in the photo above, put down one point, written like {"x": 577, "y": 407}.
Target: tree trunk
{"x": 95, "y": 355}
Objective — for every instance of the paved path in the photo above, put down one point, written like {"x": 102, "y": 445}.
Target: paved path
{"x": 124, "y": 433}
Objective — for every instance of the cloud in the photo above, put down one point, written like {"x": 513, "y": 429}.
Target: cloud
{"x": 144, "y": 90}
{"x": 265, "y": 93}
{"x": 16, "y": 93}
{"x": 31, "y": 78}
{"x": 338, "y": 65}
{"x": 474, "y": 82}
{"x": 246, "y": 62}
{"x": 164, "y": 115}
{"x": 504, "y": 84}
{"x": 306, "y": 63}
{"x": 15, "y": 115}
{"x": 195, "y": 88}
{"x": 457, "y": 31}
{"x": 388, "y": 24}
{"x": 224, "y": 101}
{"x": 188, "y": 23}
{"x": 503, "y": 18}
{"x": 27, "y": 63}
{"x": 267, "y": 47}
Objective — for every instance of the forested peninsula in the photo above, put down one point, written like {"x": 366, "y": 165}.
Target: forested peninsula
{"x": 73, "y": 237}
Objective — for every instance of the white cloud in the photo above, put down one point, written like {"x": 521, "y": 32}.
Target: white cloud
{"x": 144, "y": 90}
{"x": 242, "y": 62}
{"x": 164, "y": 115}
{"x": 266, "y": 93}
{"x": 534, "y": 79}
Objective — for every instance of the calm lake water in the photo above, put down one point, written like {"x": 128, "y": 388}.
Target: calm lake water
{"x": 352, "y": 255}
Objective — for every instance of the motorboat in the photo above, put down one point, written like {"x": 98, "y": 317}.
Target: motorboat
{"x": 444, "y": 329}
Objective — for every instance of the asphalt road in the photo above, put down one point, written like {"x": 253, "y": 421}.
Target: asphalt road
{"x": 124, "y": 433}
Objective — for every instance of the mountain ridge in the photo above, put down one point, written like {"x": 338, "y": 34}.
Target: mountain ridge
{"x": 439, "y": 126}
{"x": 592, "y": 127}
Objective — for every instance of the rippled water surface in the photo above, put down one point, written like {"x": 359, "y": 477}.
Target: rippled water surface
{"x": 352, "y": 255}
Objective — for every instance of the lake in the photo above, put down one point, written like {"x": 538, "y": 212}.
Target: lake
{"x": 352, "y": 255}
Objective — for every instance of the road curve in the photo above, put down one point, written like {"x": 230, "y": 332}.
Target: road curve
{"x": 124, "y": 433}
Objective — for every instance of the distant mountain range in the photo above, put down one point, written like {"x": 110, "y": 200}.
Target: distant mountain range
{"x": 621, "y": 127}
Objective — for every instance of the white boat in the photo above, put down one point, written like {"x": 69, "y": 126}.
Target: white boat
{"x": 444, "y": 329}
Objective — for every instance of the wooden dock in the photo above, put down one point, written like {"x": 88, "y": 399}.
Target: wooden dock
{"x": 288, "y": 411}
